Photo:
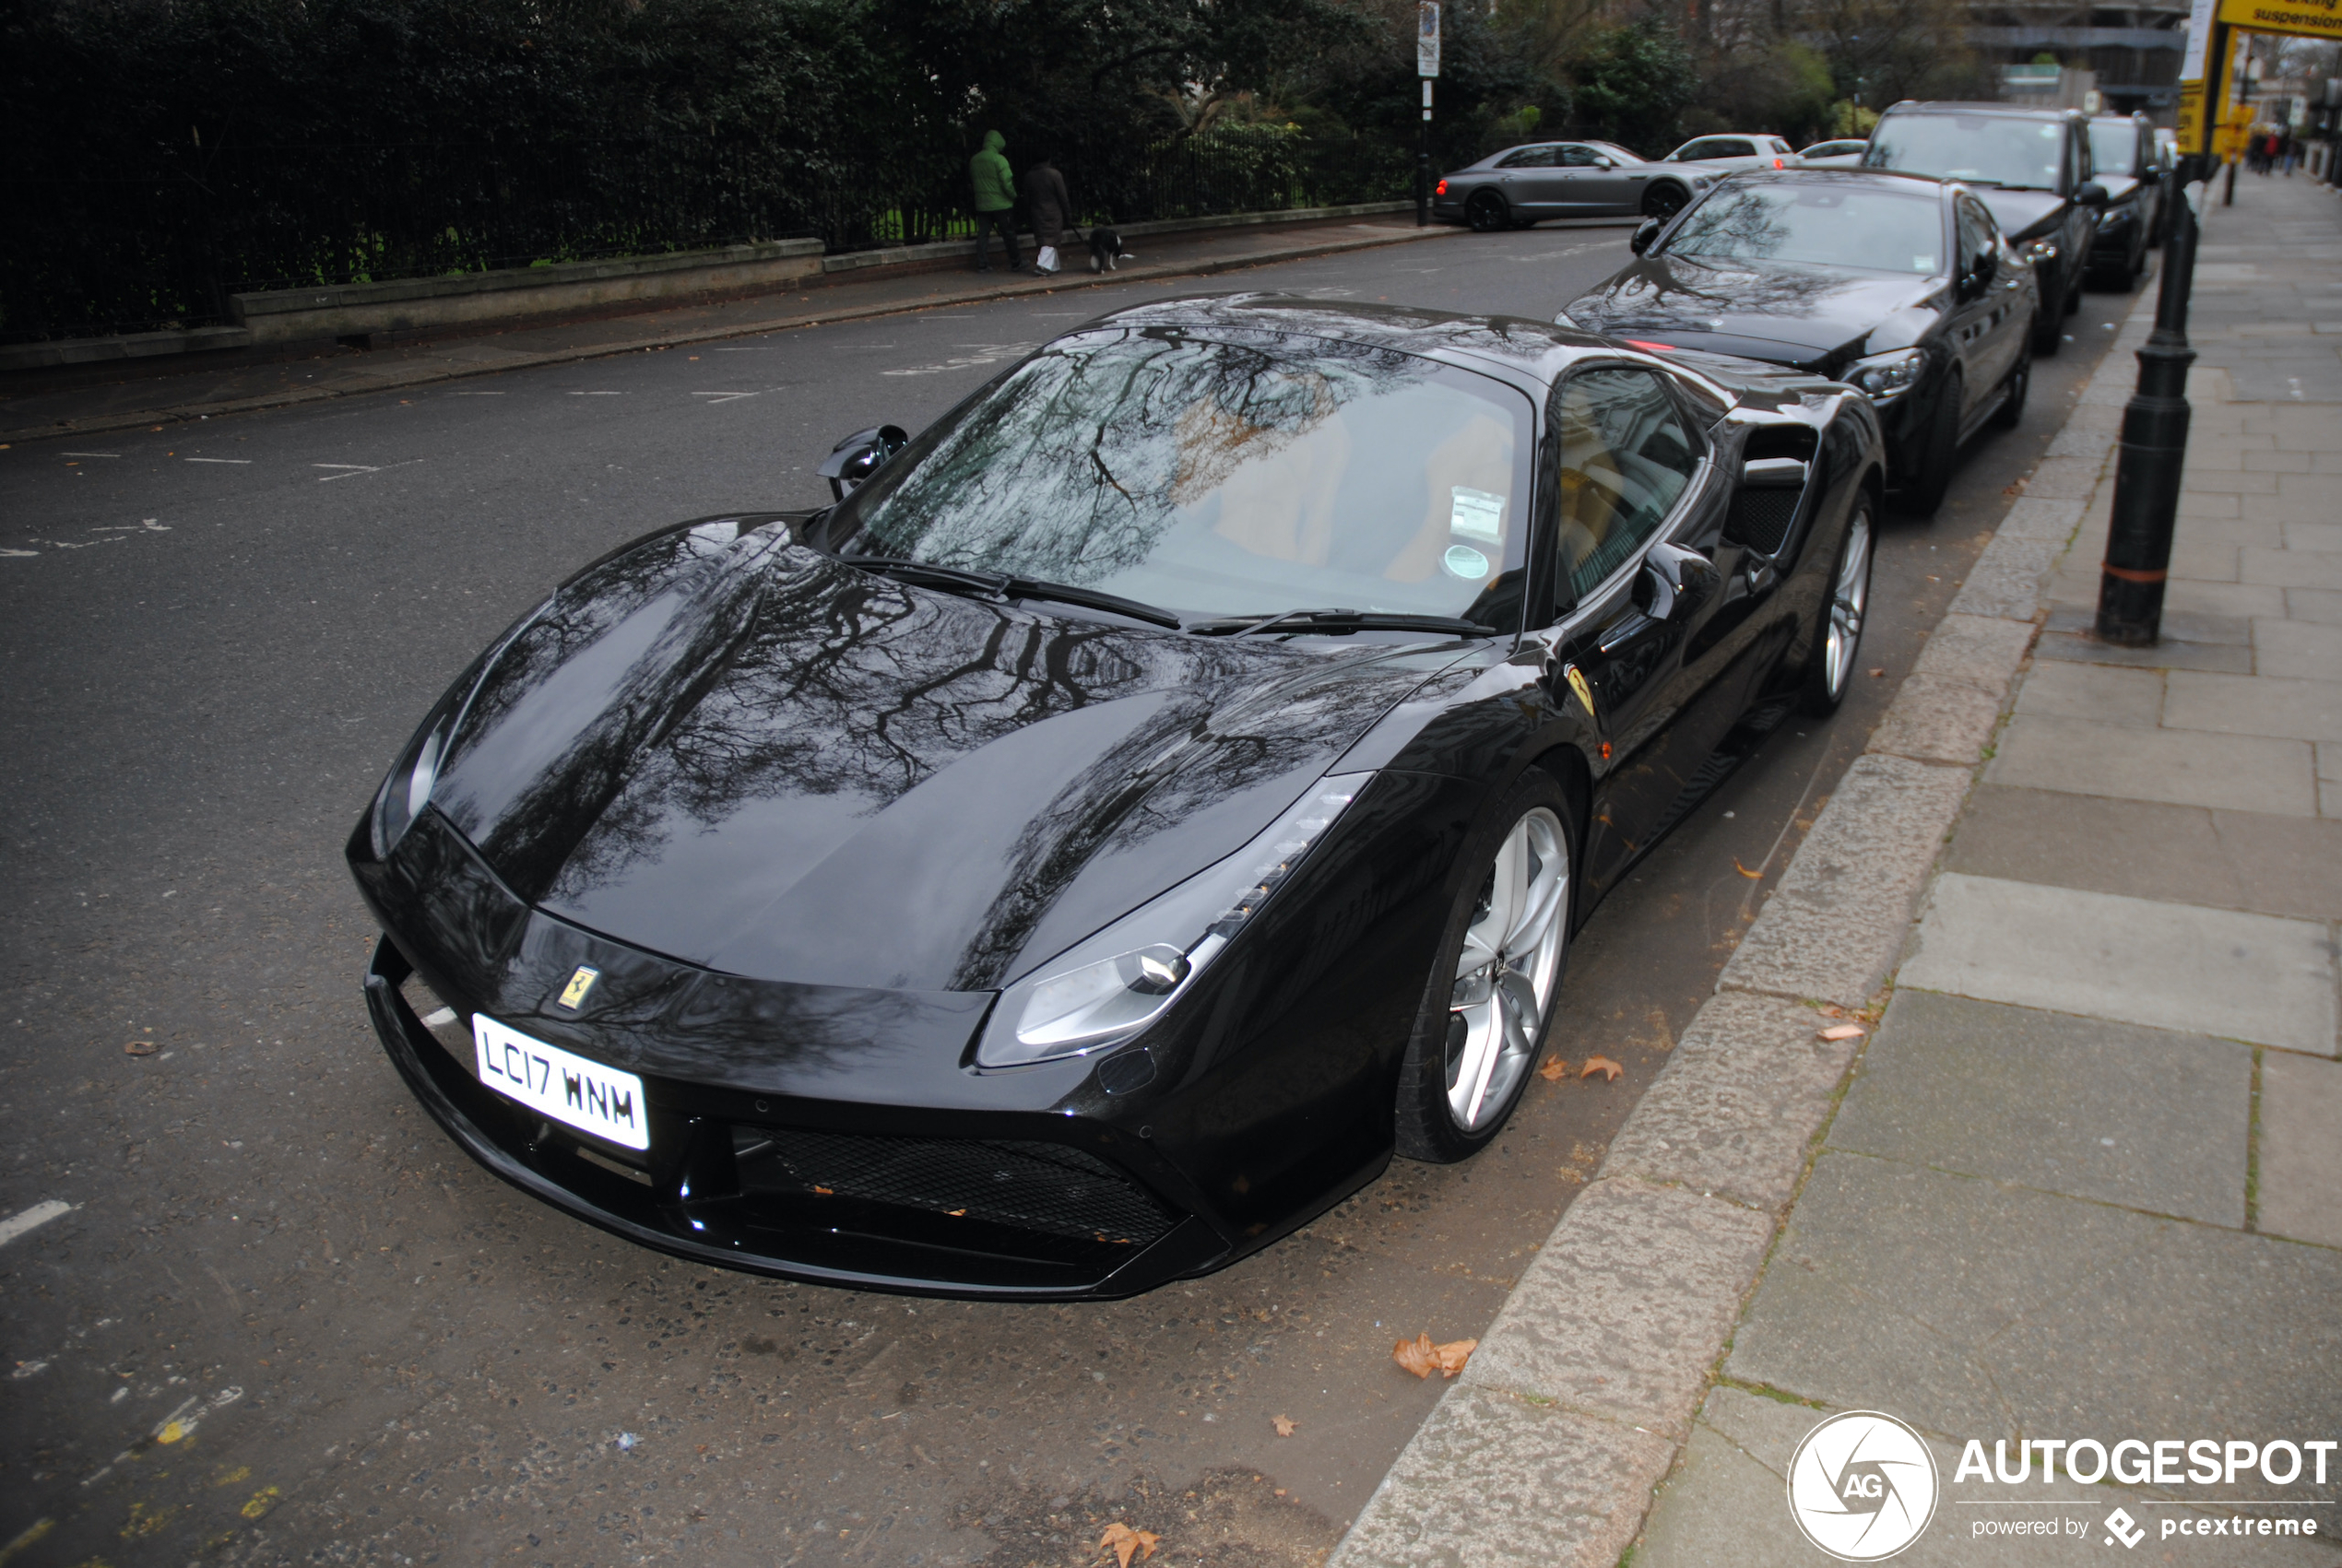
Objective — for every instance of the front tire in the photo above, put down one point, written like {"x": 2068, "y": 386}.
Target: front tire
{"x": 1487, "y": 213}
{"x": 1495, "y": 981}
{"x": 1837, "y": 634}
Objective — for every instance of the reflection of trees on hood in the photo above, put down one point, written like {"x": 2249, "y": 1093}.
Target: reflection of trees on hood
{"x": 847, "y": 685}
{"x": 1067, "y": 473}
{"x": 1687, "y": 287}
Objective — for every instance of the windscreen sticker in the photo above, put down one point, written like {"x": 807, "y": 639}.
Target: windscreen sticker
{"x": 1477, "y": 515}
{"x": 1923, "y": 262}
{"x": 1462, "y": 560}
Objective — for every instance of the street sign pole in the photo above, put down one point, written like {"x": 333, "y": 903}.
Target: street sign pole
{"x": 1426, "y": 67}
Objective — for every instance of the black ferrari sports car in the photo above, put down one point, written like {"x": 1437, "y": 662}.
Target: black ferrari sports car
{"x": 1900, "y": 285}
{"x": 1146, "y": 800}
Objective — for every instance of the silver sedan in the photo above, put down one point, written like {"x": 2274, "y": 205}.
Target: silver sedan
{"x": 1514, "y": 188}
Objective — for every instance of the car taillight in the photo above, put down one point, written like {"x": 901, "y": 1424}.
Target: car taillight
{"x": 1440, "y": 189}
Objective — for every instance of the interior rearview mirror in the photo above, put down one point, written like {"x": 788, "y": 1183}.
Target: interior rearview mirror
{"x": 858, "y": 456}
{"x": 1645, "y": 232}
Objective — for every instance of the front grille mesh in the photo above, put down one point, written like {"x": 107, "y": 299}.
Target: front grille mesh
{"x": 1047, "y": 1188}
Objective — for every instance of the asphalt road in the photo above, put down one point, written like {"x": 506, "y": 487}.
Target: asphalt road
{"x": 285, "y": 1321}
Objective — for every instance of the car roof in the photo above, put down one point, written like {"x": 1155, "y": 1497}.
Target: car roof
{"x": 1954, "y": 106}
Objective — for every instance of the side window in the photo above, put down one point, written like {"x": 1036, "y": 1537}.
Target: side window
{"x": 1579, "y": 157}
{"x": 1975, "y": 235}
{"x": 1734, "y": 149}
{"x": 1626, "y": 457}
{"x": 1529, "y": 157}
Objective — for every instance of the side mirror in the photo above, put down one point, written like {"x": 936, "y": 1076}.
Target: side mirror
{"x": 1601, "y": 162}
{"x": 858, "y": 456}
{"x": 1773, "y": 474}
{"x": 1978, "y": 277}
{"x": 1645, "y": 232}
{"x": 1675, "y": 581}
{"x": 2091, "y": 194}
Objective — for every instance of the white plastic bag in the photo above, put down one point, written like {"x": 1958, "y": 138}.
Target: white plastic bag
{"x": 1048, "y": 260}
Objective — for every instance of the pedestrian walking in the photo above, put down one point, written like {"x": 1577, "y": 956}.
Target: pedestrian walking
{"x": 1046, "y": 204}
{"x": 995, "y": 184}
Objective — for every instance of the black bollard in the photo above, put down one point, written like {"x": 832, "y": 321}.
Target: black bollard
{"x": 2154, "y": 456}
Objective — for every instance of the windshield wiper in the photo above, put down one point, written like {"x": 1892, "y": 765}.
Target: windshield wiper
{"x": 1339, "y": 620}
{"x": 1002, "y": 584}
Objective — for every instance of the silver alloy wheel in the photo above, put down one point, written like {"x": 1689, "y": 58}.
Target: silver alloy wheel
{"x": 1849, "y": 596}
{"x": 1506, "y": 974}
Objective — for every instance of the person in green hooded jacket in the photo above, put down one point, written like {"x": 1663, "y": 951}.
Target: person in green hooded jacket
{"x": 995, "y": 184}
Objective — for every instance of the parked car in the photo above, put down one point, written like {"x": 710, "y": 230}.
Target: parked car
{"x": 1021, "y": 880}
{"x": 1515, "y": 188}
{"x": 1901, "y": 286}
{"x": 1727, "y": 155}
{"x": 2031, "y": 167}
{"x": 2126, "y": 158}
{"x": 1844, "y": 152}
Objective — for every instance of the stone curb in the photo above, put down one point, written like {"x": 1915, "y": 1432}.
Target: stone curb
{"x": 428, "y": 375}
{"x": 1601, "y": 1354}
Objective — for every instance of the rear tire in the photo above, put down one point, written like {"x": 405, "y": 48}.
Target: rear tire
{"x": 1495, "y": 980}
{"x": 1924, "y": 492}
{"x": 1664, "y": 200}
{"x": 1837, "y": 634}
{"x": 1486, "y": 213}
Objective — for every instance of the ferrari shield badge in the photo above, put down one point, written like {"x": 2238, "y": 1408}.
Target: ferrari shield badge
{"x": 580, "y": 984}
{"x": 1576, "y": 680}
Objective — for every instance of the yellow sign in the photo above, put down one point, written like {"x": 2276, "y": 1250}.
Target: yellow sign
{"x": 2190, "y": 125}
{"x": 574, "y": 994}
{"x": 2297, "y": 18}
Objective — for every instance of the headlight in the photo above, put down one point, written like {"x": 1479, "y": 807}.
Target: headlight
{"x": 407, "y": 789}
{"x": 1887, "y": 376}
{"x": 1107, "y": 987}
{"x": 2041, "y": 251}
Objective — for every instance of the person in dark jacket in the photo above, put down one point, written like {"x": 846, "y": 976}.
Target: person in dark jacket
{"x": 995, "y": 184}
{"x": 1046, "y": 204}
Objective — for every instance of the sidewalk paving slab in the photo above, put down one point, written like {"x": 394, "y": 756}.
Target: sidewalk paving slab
{"x": 2084, "y": 756}
{"x": 2119, "y": 1113}
{"x": 2302, "y": 1149}
{"x": 2253, "y": 977}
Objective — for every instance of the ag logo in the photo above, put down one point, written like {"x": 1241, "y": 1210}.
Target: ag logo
{"x": 1862, "y": 1486}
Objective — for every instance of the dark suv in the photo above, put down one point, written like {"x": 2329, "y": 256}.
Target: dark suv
{"x": 2126, "y": 159}
{"x": 2031, "y": 166}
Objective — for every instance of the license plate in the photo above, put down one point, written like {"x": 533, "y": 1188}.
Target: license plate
{"x": 599, "y": 1100}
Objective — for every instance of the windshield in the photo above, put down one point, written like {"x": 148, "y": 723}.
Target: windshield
{"x": 1238, "y": 476}
{"x": 2114, "y": 148}
{"x": 1837, "y": 223}
{"x": 1997, "y": 148}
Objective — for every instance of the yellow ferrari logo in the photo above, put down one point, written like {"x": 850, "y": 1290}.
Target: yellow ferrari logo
{"x": 574, "y": 994}
{"x": 1578, "y": 683}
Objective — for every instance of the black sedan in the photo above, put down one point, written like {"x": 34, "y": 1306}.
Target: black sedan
{"x": 1901, "y": 286}
{"x": 2128, "y": 162}
{"x": 1151, "y": 797}
{"x": 1514, "y": 188}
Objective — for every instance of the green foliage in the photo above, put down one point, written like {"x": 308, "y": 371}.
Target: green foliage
{"x": 1632, "y": 83}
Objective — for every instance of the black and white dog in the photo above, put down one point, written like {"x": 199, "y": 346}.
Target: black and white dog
{"x": 1106, "y": 250}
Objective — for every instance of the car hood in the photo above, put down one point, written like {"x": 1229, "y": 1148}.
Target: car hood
{"x": 2022, "y": 215}
{"x": 1813, "y": 318}
{"x": 730, "y": 749}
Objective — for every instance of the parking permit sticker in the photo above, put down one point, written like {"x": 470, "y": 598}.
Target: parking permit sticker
{"x": 1476, "y": 515}
{"x": 1462, "y": 560}
{"x": 1922, "y": 263}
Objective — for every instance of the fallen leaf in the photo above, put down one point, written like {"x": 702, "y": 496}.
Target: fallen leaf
{"x": 1844, "y": 1032}
{"x": 1603, "y": 1065}
{"x": 1417, "y": 1355}
{"x": 141, "y": 1048}
{"x": 1122, "y": 1541}
{"x": 1554, "y": 1069}
{"x": 1420, "y": 1356}
{"x": 1284, "y": 1425}
{"x": 1877, "y": 673}
{"x": 1752, "y": 876}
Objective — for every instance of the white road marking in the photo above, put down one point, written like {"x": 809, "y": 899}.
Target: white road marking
{"x": 341, "y": 465}
{"x": 598, "y": 394}
{"x": 40, "y": 1214}
{"x": 245, "y": 462}
{"x": 716, "y": 398}
{"x": 986, "y": 354}
{"x": 358, "y": 473}
{"x": 90, "y": 455}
